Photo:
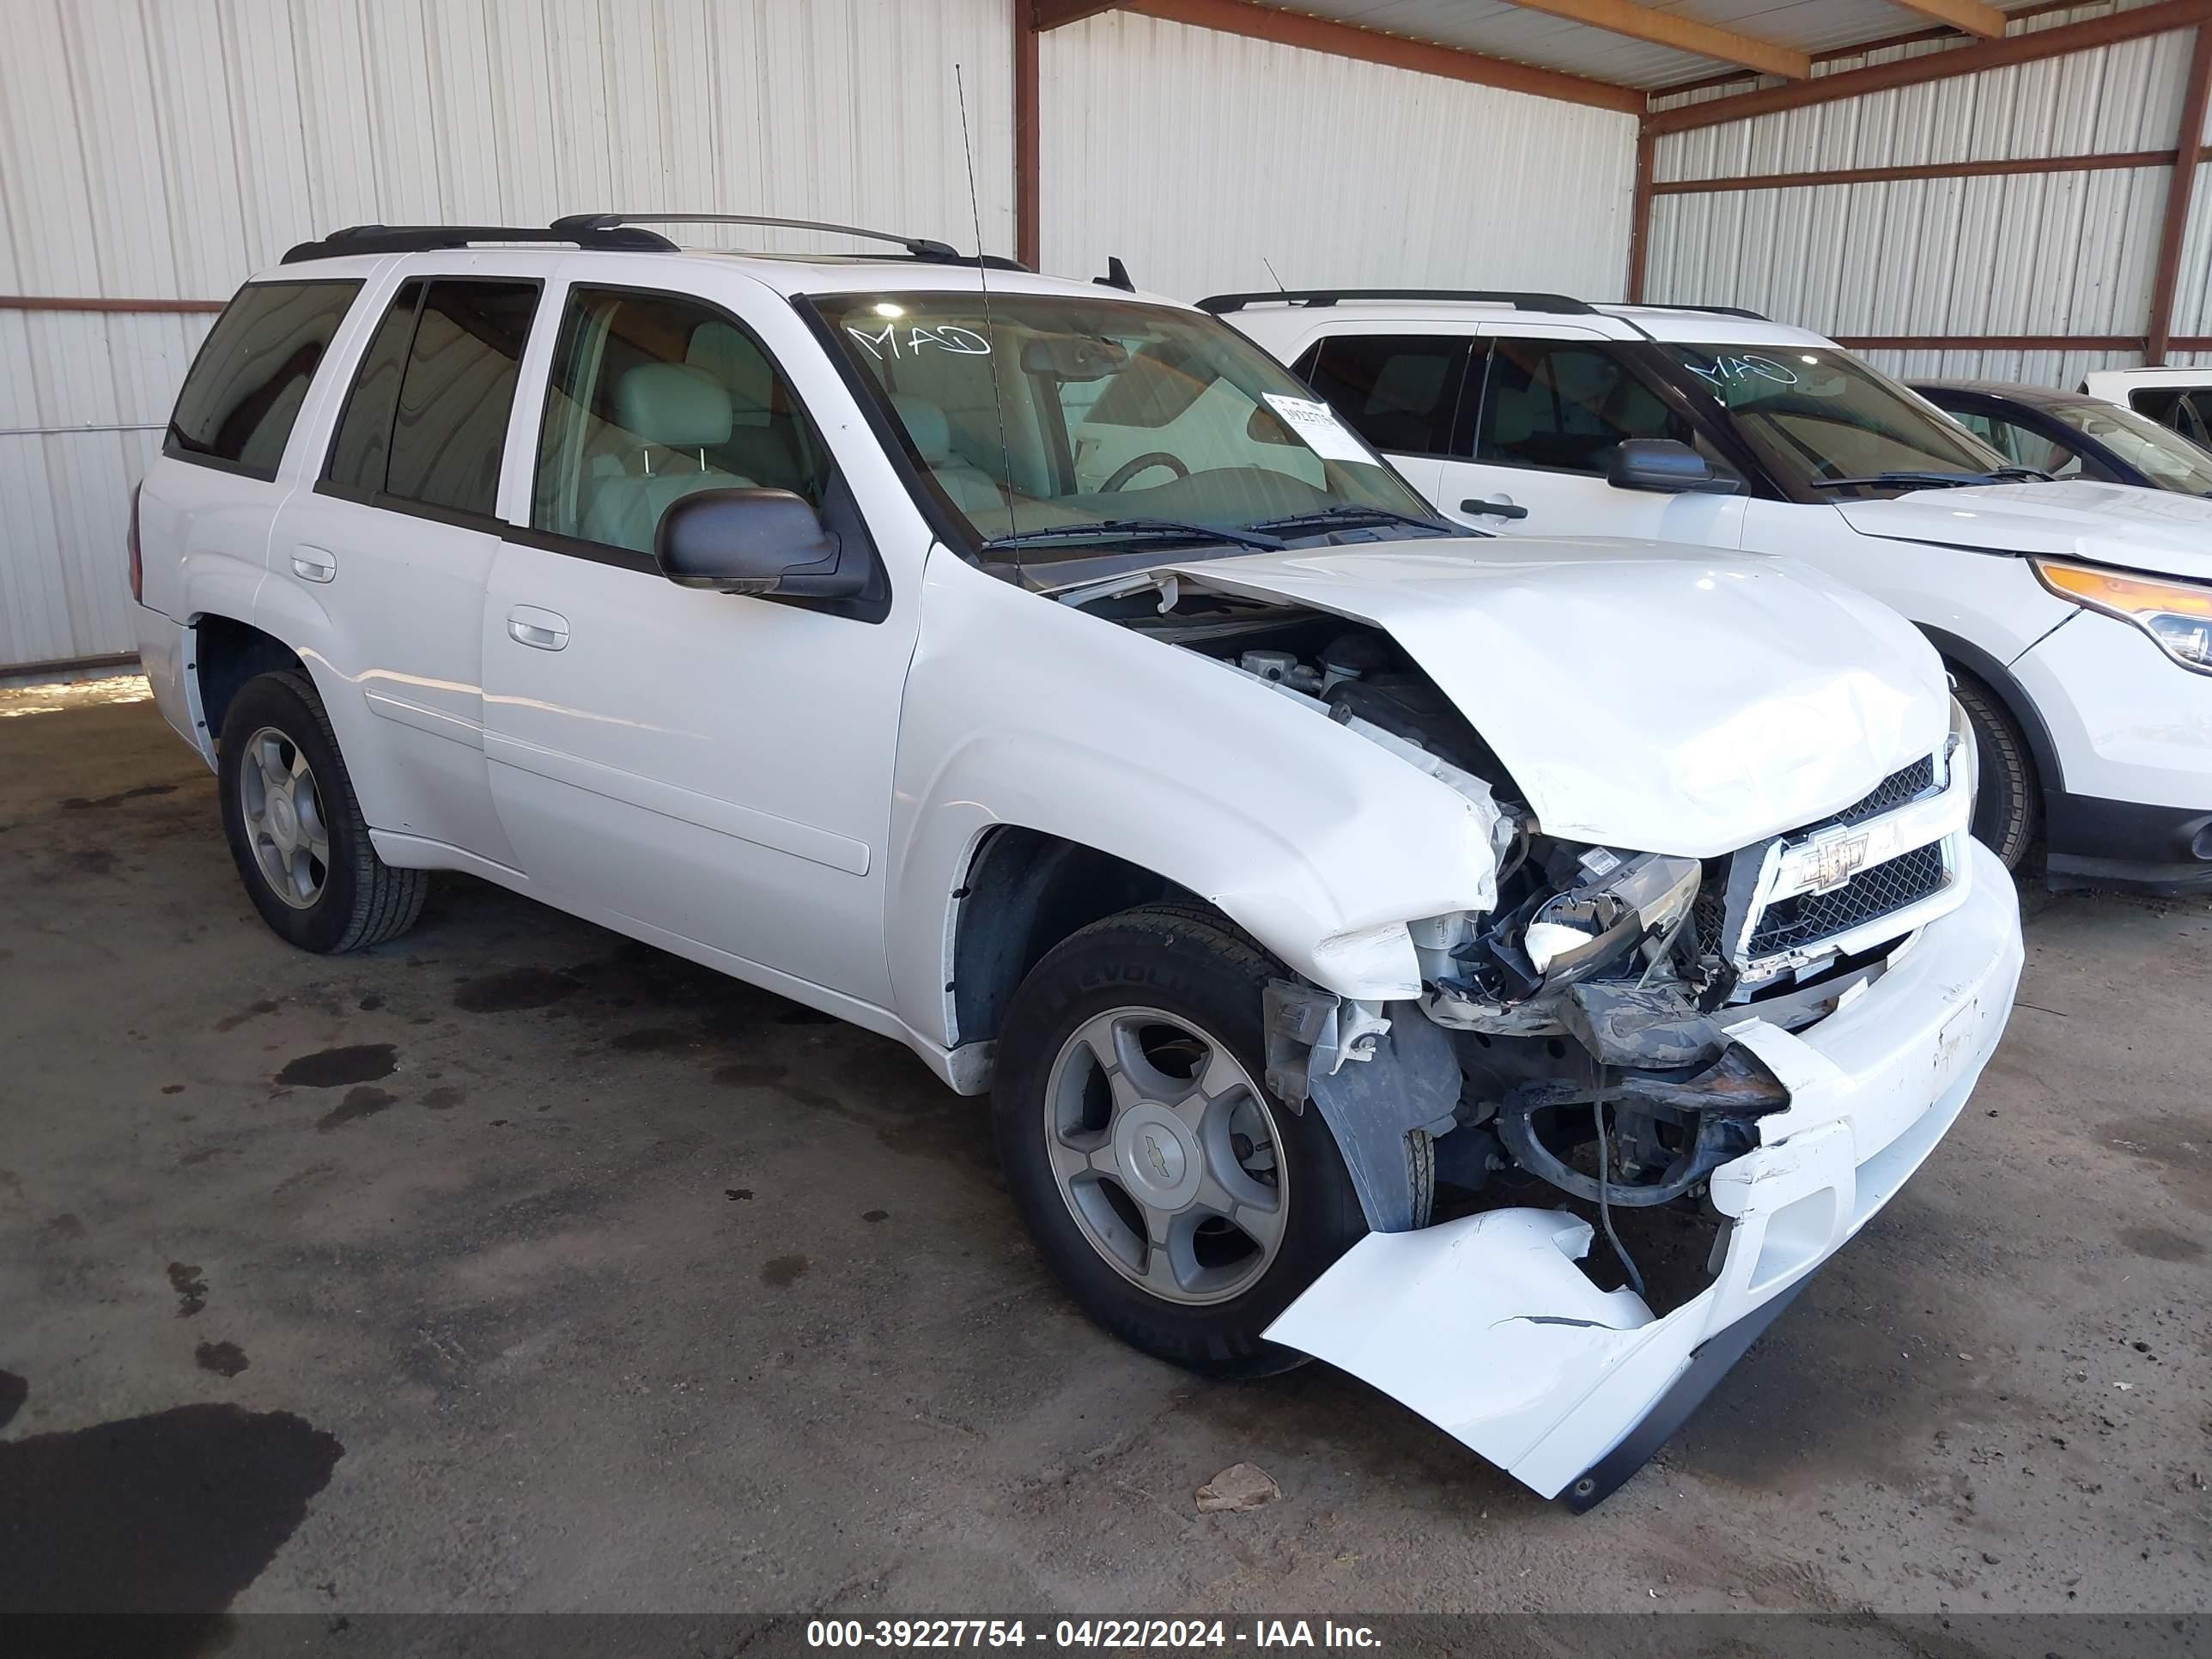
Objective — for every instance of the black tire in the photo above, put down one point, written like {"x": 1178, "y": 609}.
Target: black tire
{"x": 2008, "y": 812}
{"x": 1192, "y": 964}
{"x": 363, "y": 901}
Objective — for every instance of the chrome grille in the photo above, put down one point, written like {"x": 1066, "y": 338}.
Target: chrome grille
{"x": 1871, "y": 894}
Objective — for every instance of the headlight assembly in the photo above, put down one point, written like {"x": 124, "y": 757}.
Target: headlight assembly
{"x": 2177, "y": 615}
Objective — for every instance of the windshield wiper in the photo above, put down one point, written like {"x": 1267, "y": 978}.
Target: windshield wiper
{"x": 1126, "y": 530}
{"x": 1932, "y": 480}
{"x": 1347, "y": 515}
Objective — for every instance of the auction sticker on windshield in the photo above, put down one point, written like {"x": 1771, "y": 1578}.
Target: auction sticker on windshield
{"x": 1317, "y": 424}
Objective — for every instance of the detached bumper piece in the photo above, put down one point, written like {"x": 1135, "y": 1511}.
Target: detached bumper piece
{"x": 1700, "y": 1378}
{"x": 1486, "y": 1327}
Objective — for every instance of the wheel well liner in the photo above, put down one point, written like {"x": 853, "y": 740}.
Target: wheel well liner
{"x": 1993, "y": 674}
{"x": 1025, "y": 891}
{"x": 227, "y": 653}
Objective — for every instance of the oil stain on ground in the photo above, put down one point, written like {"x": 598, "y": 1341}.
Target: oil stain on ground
{"x": 337, "y": 1068}
{"x": 359, "y": 1102}
{"x": 231, "y": 1022}
{"x": 14, "y": 1391}
{"x": 778, "y": 1271}
{"x": 515, "y": 989}
{"x": 223, "y": 1358}
{"x": 191, "y": 1288}
{"x": 174, "y": 1513}
{"x": 2180, "y": 1148}
{"x": 2160, "y": 1244}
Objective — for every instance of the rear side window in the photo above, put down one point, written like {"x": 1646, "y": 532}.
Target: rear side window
{"x": 1400, "y": 391}
{"x": 358, "y": 453}
{"x": 245, "y": 387}
{"x": 1565, "y": 407}
{"x": 2188, "y": 410}
{"x": 425, "y": 423}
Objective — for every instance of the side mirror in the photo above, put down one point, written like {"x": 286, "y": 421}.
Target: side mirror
{"x": 753, "y": 541}
{"x": 1667, "y": 467}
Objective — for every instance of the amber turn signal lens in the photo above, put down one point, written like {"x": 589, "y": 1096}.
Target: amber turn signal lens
{"x": 2177, "y": 615}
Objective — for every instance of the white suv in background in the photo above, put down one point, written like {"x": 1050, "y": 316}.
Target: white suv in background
{"x": 2179, "y": 397}
{"x": 2076, "y": 617}
{"x": 1033, "y": 672}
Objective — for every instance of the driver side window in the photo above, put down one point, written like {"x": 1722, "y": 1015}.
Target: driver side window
{"x": 652, "y": 398}
{"x": 1565, "y": 406}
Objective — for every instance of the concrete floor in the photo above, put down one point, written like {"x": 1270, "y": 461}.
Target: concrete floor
{"x": 514, "y": 1265}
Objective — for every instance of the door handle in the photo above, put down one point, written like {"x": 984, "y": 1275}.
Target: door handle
{"x": 541, "y": 630}
{"x": 312, "y": 564}
{"x": 1498, "y": 509}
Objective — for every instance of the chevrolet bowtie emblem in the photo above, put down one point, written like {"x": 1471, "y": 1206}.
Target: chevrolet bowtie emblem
{"x": 1835, "y": 862}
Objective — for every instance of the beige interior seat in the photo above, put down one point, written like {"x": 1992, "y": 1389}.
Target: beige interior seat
{"x": 670, "y": 414}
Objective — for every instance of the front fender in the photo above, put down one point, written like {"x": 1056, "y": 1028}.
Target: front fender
{"x": 1022, "y": 711}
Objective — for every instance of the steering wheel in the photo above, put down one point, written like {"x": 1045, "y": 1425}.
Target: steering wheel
{"x": 1129, "y": 469}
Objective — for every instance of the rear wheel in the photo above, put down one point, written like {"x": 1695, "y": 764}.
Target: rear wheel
{"x": 1182, "y": 1206}
{"x": 295, "y": 830}
{"x": 2008, "y": 811}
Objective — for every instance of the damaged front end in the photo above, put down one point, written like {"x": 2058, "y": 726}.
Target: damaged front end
{"x": 1723, "y": 1064}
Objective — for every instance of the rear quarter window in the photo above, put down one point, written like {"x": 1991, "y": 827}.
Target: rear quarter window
{"x": 245, "y": 389}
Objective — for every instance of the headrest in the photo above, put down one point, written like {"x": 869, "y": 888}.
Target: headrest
{"x": 926, "y": 424}
{"x": 673, "y": 403}
{"x": 718, "y": 348}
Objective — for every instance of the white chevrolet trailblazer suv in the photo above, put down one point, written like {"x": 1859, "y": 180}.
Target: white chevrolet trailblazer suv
{"x": 2076, "y": 617}
{"x": 1352, "y": 919}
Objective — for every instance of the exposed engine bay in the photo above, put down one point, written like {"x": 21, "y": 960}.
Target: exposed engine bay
{"x": 1575, "y": 1031}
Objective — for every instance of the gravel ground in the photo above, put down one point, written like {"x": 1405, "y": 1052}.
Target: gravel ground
{"x": 514, "y": 1265}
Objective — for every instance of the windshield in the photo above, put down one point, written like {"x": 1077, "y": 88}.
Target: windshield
{"x": 1817, "y": 415}
{"x": 2157, "y": 451}
{"x": 1060, "y": 423}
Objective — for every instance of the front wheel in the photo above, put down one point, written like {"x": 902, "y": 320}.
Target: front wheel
{"x": 1181, "y": 1204}
{"x": 2009, "y": 810}
{"x": 296, "y": 832}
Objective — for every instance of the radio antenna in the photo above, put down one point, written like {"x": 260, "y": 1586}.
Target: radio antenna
{"x": 1270, "y": 264}
{"x": 983, "y": 281}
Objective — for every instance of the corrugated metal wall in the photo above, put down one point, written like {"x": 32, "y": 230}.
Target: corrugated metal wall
{"x": 1197, "y": 156}
{"x": 2031, "y": 254}
{"x": 166, "y": 148}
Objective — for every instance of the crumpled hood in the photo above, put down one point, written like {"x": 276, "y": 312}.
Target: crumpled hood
{"x": 2154, "y": 530}
{"x": 1644, "y": 697}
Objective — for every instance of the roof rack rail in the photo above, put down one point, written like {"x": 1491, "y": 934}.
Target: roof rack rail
{"x": 1721, "y": 311}
{"x": 423, "y": 238}
{"x": 1558, "y": 303}
{"x": 924, "y": 248}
